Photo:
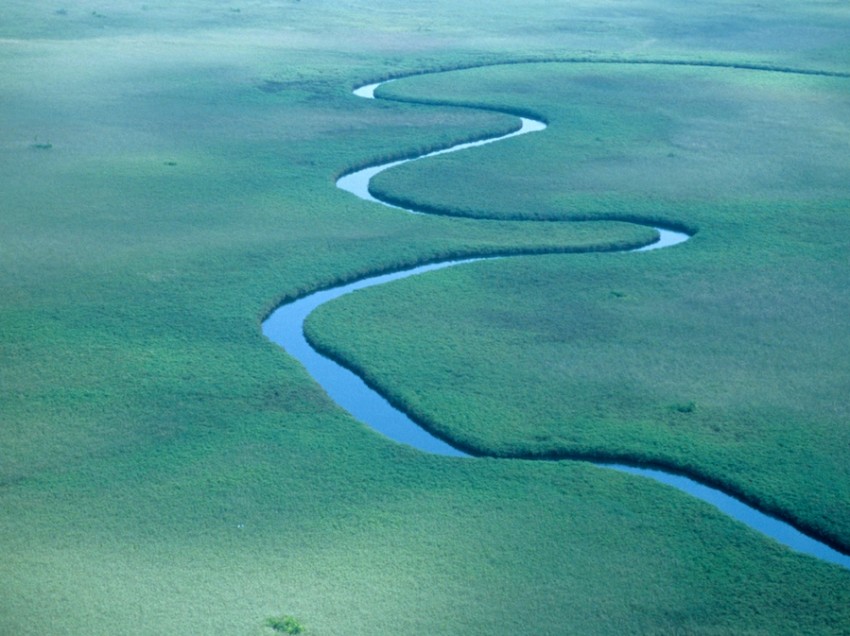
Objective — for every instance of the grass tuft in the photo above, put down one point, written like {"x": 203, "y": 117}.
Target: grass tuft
{"x": 285, "y": 624}
{"x": 685, "y": 407}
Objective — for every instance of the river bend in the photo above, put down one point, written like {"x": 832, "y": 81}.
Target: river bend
{"x": 285, "y": 327}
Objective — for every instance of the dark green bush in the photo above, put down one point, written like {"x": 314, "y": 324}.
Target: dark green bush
{"x": 285, "y": 624}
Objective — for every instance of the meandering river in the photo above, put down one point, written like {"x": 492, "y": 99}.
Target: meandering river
{"x": 285, "y": 327}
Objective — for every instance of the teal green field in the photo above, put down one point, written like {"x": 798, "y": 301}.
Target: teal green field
{"x": 167, "y": 179}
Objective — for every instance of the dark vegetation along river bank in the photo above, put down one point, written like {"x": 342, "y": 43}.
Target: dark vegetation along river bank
{"x": 167, "y": 179}
{"x": 640, "y": 369}
{"x": 286, "y": 324}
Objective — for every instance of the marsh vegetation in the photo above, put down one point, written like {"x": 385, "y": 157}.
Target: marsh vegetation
{"x": 166, "y": 470}
{"x": 608, "y": 357}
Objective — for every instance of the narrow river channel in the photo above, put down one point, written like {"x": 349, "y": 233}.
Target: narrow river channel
{"x": 285, "y": 327}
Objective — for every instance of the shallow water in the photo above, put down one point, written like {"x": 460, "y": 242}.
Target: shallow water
{"x": 286, "y": 327}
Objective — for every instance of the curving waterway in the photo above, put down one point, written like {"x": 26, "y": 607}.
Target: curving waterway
{"x": 285, "y": 327}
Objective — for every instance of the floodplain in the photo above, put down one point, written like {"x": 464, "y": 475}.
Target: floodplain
{"x": 168, "y": 179}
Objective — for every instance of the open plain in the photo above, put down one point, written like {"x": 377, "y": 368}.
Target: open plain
{"x": 167, "y": 179}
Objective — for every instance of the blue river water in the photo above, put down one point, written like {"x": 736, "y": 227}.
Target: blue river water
{"x": 285, "y": 326}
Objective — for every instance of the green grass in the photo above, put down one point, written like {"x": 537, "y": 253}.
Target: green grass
{"x": 626, "y": 140}
{"x": 285, "y": 624}
{"x": 165, "y": 470}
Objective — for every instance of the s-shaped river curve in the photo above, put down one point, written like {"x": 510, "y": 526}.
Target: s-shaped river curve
{"x": 285, "y": 327}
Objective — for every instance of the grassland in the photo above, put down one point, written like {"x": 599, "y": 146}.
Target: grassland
{"x": 167, "y": 178}
{"x": 726, "y": 359}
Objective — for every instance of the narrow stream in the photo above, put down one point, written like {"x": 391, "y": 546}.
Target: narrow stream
{"x": 285, "y": 327}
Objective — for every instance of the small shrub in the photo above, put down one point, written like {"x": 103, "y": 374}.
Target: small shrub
{"x": 686, "y": 407}
{"x": 285, "y": 624}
